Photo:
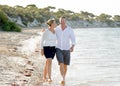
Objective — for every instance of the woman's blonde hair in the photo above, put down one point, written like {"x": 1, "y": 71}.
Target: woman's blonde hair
{"x": 50, "y": 21}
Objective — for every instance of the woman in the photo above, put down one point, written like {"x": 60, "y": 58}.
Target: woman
{"x": 48, "y": 48}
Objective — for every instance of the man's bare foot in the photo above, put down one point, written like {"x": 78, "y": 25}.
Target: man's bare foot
{"x": 62, "y": 82}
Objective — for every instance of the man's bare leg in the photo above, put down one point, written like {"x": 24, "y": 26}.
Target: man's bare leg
{"x": 65, "y": 69}
{"x": 62, "y": 71}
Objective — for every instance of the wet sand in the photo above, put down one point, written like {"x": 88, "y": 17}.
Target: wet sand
{"x": 18, "y": 68}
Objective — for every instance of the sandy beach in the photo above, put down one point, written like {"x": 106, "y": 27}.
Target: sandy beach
{"x": 94, "y": 62}
{"x": 20, "y": 60}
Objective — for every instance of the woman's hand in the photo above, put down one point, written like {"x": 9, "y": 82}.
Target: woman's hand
{"x": 42, "y": 52}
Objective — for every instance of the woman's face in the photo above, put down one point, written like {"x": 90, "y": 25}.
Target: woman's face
{"x": 54, "y": 24}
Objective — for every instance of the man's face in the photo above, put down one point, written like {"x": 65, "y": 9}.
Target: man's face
{"x": 63, "y": 21}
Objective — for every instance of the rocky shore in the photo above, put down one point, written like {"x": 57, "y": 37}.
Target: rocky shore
{"x": 20, "y": 61}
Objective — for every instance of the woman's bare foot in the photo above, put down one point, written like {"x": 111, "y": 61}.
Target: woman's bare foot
{"x": 44, "y": 80}
{"x": 49, "y": 80}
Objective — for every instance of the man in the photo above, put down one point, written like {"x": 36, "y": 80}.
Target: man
{"x": 65, "y": 45}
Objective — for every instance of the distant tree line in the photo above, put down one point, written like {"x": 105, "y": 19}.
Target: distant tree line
{"x": 31, "y": 12}
{"x": 6, "y": 24}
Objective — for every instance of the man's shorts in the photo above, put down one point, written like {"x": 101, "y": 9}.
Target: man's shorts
{"x": 63, "y": 56}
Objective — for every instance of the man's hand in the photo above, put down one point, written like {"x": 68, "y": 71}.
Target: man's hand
{"x": 72, "y": 48}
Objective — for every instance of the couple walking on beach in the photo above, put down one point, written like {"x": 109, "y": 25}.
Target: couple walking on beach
{"x": 59, "y": 40}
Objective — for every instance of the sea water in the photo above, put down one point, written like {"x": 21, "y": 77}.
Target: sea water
{"x": 95, "y": 60}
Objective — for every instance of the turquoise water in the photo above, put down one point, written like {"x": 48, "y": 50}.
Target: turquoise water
{"x": 95, "y": 60}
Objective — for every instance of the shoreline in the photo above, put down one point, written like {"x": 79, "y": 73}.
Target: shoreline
{"x": 18, "y": 68}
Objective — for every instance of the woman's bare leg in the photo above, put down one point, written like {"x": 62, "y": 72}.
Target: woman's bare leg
{"x": 49, "y": 69}
{"x": 45, "y": 71}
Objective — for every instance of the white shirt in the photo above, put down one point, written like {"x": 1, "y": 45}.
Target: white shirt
{"x": 48, "y": 39}
{"x": 65, "y": 38}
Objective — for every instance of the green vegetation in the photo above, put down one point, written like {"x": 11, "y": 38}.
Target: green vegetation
{"x": 31, "y": 12}
{"x": 10, "y": 26}
{"x": 6, "y": 24}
